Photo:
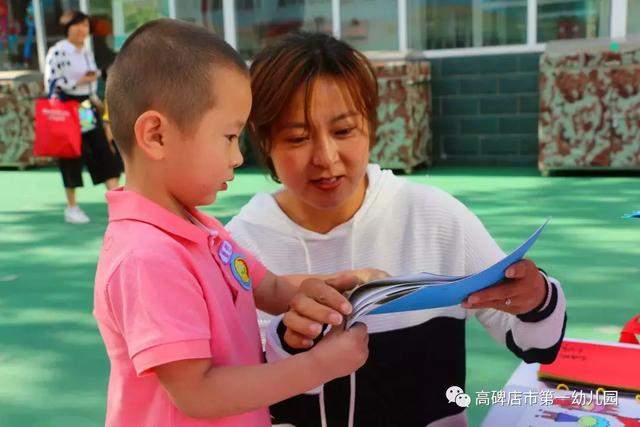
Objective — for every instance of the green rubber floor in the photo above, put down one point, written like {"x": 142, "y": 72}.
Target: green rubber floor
{"x": 53, "y": 368}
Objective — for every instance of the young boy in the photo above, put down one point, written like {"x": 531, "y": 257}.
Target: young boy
{"x": 175, "y": 297}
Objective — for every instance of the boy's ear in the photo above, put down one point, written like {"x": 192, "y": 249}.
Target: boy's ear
{"x": 150, "y": 130}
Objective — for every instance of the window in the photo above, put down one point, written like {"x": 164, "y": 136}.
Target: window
{"x": 370, "y": 24}
{"x": 17, "y": 36}
{"x": 573, "y": 19}
{"x": 633, "y": 17}
{"x": 113, "y": 20}
{"x": 130, "y": 14}
{"x": 102, "y": 32}
{"x": 285, "y": 3}
{"x": 207, "y": 13}
{"x": 271, "y": 19}
{"x": 444, "y": 24}
{"x": 247, "y": 4}
{"x": 503, "y": 22}
{"x": 52, "y": 11}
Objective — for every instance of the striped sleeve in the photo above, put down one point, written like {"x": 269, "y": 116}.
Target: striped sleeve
{"x": 56, "y": 65}
{"x": 533, "y": 341}
{"x": 534, "y": 336}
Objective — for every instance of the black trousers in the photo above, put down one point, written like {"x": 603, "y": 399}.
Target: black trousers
{"x": 101, "y": 162}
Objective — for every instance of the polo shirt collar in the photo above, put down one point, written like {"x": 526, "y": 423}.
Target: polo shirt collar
{"x": 129, "y": 205}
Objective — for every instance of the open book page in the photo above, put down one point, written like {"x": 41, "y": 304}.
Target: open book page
{"x": 426, "y": 290}
{"x": 387, "y": 284}
{"x": 374, "y": 297}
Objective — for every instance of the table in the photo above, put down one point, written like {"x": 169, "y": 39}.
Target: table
{"x": 566, "y": 413}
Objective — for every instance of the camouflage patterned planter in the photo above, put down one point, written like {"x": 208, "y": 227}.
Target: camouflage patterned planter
{"x": 403, "y": 140}
{"x": 590, "y": 110}
{"x": 17, "y": 93}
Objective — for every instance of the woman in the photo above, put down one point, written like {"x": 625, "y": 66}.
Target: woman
{"x": 313, "y": 121}
{"x": 72, "y": 74}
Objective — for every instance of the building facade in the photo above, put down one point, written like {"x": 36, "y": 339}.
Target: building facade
{"x": 484, "y": 53}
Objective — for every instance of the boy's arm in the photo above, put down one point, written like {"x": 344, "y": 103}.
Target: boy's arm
{"x": 309, "y": 302}
{"x": 201, "y": 390}
{"x": 274, "y": 294}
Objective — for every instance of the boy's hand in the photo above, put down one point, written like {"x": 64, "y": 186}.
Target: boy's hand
{"x": 342, "y": 352}
{"x": 522, "y": 290}
{"x": 317, "y": 302}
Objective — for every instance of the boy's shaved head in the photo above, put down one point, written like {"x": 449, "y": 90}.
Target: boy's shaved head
{"x": 168, "y": 66}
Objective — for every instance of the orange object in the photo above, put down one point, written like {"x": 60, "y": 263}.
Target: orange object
{"x": 631, "y": 331}
{"x": 608, "y": 365}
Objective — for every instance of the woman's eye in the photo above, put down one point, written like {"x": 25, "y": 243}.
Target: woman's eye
{"x": 296, "y": 139}
{"x": 345, "y": 131}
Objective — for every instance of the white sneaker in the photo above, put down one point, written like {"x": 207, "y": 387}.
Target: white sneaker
{"x": 75, "y": 215}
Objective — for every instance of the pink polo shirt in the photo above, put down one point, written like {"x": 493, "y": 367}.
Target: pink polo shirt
{"x": 168, "y": 290}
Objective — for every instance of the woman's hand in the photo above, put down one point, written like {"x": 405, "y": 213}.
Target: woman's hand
{"x": 87, "y": 78}
{"x": 523, "y": 290}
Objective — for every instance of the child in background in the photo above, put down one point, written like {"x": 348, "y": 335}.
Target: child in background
{"x": 175, "y": 297}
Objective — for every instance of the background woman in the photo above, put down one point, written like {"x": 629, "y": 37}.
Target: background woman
{"x": 72, "y": 73}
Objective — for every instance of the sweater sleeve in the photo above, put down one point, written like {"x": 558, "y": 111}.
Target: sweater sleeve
{"x": 55, "y": 71}
{"x": 534, "y": 336}
{"x": 92, "y": 66}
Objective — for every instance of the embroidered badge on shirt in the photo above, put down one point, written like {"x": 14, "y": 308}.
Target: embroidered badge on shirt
{"x": 225, "y": 252}
{"x": 240, "y": 271}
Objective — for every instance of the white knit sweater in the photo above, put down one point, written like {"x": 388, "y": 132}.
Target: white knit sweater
{"x": 401, "y": 228}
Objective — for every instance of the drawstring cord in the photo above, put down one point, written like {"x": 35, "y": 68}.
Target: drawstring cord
{"x": 352, "y": 377}
{"x": 352, "y": 398}
{"x": 323, "y": 411}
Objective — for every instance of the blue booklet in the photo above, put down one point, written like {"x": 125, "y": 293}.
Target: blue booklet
{"x": 427, "y": 290}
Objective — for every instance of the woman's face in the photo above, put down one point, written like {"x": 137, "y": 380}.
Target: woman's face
{"x": 321, "y": 162}
{"x": 78, "y": 32}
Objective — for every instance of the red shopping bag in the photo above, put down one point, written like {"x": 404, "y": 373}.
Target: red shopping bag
{"x": 57, "y": 129}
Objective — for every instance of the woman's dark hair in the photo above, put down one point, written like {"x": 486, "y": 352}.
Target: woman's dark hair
{"x": 72, "y": 17}
{"x": 295, "y": 61}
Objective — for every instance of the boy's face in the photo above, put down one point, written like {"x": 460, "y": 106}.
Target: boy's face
{"x": 200, "y": 163}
